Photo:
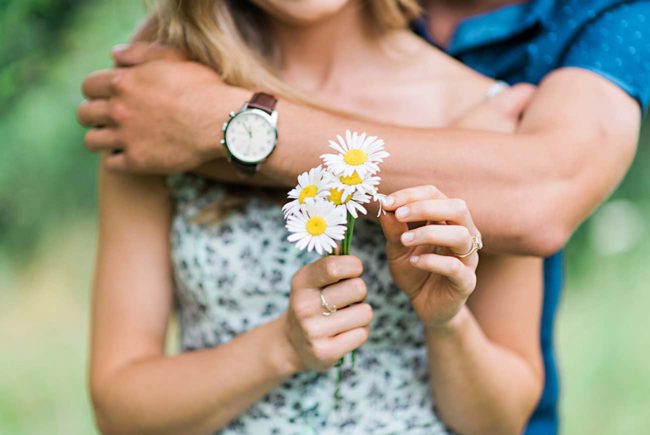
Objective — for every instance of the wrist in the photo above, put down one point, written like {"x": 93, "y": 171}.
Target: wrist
{"x": 283, "y": 357}
{"x": 225, "y": 100}
{"x": 453, "y": 327}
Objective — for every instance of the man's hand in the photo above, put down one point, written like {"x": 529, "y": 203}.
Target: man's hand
{"x": 501, "y": 113}
{"x": 156, "y": 112}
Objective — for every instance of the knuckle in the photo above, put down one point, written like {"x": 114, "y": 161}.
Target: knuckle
{"x": 117, "y": 111}
{"x": 296, "y": 281}
{"x": 360, "y": 288}
{"x": 321, "y": 351}
{"x": 301, "y": 308}
{"x": 120, "y": 83}
{"x": 331, "y": 267}
{"x": 431, "y": 189}
{"x": 471, "y": 284}
{"x": 459, "y": 206}
{"x": 463, "y": 235}
{"x": 310, "y": 330}
{"x": 455, "y": 266}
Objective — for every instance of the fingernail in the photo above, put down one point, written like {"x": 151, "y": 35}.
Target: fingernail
{"x": 414, "y": 259}
{"x": 402, "y": 212}
{"x": 119, "y": 48}
{"x": 408, "y": 237}
{"x": 388, "y": 201}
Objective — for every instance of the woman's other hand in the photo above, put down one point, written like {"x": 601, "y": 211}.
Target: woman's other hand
{"x": 319, "y": 340}
{"x": 425, "y": 257}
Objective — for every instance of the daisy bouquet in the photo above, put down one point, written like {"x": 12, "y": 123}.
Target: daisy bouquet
{"x": 329, "y": 198}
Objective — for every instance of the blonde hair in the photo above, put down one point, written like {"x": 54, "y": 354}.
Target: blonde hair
{"x": 230, "y": 36}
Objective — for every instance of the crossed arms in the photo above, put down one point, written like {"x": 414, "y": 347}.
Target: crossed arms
{"x": 528, "y": 190}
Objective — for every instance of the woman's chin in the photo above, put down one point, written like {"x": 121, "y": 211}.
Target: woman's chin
{"x": 301, "y": 12}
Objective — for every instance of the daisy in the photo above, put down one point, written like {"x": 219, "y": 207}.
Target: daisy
{"x": 351, "y": 183}
{"x": 310, "y": 186}
{"x": 379, "y": 198}
{"x": 358, "y": 153}
{"x": 317, "y": 225}
{"x": 353, "y": 203}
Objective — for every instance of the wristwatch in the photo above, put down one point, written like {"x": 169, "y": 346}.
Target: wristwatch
{"x": 251, "y": 134}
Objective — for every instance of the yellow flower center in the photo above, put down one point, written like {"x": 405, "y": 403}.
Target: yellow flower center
{"x": 336, "y": 196}
{"x": 316, "y": 226}
{"x": 355, "y": 157}
{"x": 352, "y": 180}
{"x": 307, "y": 192}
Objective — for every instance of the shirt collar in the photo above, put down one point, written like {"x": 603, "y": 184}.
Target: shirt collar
{"x": 491, "y": 27}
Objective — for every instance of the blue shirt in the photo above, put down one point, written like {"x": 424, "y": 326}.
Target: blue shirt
{"x": 523, "y": 43}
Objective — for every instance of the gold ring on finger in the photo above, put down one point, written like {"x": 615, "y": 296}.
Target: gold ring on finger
{"x": 329, "y": 309}
{"x": 477, "y": 245}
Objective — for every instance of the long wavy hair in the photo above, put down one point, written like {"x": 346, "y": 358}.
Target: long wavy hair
{"x": 231, "y": 37}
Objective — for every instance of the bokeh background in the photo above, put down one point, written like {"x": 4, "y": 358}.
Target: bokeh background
{"x": 47, "y": 242}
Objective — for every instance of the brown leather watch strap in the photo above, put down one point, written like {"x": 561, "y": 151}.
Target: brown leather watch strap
{"x": 263, "y": 101}
{"x": 244, "y": 169}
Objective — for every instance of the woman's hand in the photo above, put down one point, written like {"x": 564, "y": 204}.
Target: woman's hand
{"x": 319, "y": 341}
{"x": 424, "y": 260}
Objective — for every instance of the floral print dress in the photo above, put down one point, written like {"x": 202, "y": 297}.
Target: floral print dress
{"x": 234, "y": 275}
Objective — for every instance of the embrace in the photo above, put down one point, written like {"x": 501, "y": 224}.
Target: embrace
{"x": 507, "y": 123}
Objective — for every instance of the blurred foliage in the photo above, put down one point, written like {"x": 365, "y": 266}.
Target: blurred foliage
{"x": 47, "y": 47}
{"x": 31, "y": 30}
{"x": 47, "y": 199}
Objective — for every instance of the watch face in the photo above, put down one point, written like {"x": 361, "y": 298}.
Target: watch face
{"x": 250, "y": 137}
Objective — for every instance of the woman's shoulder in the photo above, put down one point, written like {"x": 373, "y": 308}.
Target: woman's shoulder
{"x": 431, "y": 82}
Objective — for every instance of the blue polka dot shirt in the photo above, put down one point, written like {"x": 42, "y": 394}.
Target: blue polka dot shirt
{"x": 523, "y": 43}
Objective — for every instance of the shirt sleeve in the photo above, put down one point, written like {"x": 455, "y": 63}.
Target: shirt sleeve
{"x": 616, "y": 45}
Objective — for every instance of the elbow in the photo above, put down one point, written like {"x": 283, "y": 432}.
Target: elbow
{"x": 109, "y": 411}
{"x": 546, "y": 237}
{"x": 511, "y": 421}
{"x": 101, "y": 404}
{"x": 543, "y": 233}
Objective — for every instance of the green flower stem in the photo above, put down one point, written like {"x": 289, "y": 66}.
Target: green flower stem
{"x": 346, "y": 244}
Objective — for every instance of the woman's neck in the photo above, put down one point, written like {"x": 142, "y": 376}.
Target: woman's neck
{"x": 317, "y": 55}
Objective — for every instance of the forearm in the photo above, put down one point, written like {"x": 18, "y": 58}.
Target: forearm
{"x": 196, "y": 392}
{"x": 511, "y": 182}
{"x": 478, "y": 386}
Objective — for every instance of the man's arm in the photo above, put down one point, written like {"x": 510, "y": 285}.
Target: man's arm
{"x": 528, "y": 191}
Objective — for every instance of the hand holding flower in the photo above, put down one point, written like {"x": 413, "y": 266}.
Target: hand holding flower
{"x": 425, "y": 261}
{"x": 320, "y": 341}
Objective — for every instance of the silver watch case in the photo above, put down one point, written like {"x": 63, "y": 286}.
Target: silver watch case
{"x": 271, "y": 119}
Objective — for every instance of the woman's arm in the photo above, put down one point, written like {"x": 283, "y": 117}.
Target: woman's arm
{"x": 485, "y": 363}
{"x": 486, "y": 367}
{"x": 136, "y": 388}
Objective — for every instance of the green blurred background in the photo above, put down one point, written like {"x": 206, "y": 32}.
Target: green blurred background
{"x": 47, "y": 200}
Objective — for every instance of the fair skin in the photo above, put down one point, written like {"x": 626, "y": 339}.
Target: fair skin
{"x": 526, "y": 175}
{"x": 485, "y": 376}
